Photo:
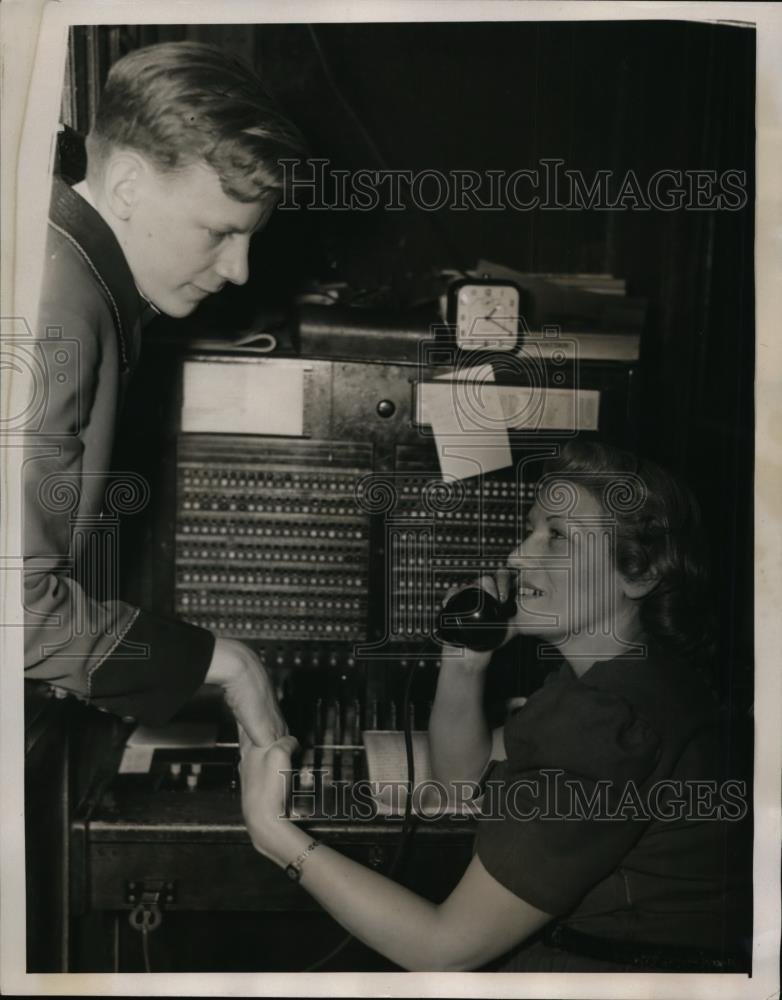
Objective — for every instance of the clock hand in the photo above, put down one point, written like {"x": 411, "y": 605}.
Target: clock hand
{"x": 504, "y": 328}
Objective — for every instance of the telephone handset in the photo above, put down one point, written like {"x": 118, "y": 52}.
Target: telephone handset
{"x": 475, "y": 619}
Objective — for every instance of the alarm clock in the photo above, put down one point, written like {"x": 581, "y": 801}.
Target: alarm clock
{"x": 483, "y": 314}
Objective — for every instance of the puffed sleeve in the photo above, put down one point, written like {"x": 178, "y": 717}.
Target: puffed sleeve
{"x": 566, "y": 806}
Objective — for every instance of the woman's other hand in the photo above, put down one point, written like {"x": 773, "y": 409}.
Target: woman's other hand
{"x": 266, "y": 774}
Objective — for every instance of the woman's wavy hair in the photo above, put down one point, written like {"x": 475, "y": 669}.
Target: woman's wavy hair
{"x": 659, "y": 534}
{"x": 180, "y": 103}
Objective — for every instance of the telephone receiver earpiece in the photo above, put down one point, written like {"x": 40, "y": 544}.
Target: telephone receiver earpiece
{"x": 475, "y": 619}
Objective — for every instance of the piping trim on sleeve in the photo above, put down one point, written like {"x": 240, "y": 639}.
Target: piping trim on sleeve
{"x": 107, "y": 654}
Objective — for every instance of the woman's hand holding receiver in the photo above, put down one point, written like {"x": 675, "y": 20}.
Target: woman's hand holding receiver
{"x": 462, "y": 657}
{"x": 460, "y": 742}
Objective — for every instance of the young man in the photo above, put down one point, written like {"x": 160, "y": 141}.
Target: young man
{"x": 182, "y": 170}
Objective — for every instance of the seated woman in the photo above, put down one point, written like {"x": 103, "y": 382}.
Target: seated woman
{"x": 603, "y": 844}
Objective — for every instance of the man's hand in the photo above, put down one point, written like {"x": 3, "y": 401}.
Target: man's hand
{"x": 248, "y": 691}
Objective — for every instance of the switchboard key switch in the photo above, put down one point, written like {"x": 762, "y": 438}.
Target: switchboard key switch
{"x": 306, "y": 775}
{"x": 330, "y": 738}
{"x": 352, "y": 727}
{"x": 318, "y": 730}
{"x": 346, "y": 765}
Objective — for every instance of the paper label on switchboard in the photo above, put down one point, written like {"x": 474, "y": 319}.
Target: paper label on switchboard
{"x": 387, "y": 774}
{"x": 468, "y": 424}
{"x": 240, "y": 398}
{"x": 546, "y": 409}
{"x": 136, "y": 760}
{"x": 519, "y": 407}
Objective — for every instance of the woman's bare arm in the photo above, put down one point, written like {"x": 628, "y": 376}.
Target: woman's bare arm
{"x": 479, "y": 921}
{"x": 460, "y": 740}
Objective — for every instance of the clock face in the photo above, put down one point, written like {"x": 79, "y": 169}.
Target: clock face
{"x": 487, "y": 317}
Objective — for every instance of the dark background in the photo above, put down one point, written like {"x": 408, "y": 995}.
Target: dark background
{"x": 491, "y": 96}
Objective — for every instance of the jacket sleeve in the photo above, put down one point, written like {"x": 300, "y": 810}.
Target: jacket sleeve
{"x": 102, "y": 650}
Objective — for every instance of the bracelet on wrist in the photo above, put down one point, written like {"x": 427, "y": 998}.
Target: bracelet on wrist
{"x": 293, "y": 870}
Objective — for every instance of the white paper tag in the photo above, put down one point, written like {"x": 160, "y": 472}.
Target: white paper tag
{"x": 263, "y": 397}
{"x": 546, "y": 409}
{"x": 387, "y": 774}
{"x": 136, "y": 760}
{"x": 468, "y": 424}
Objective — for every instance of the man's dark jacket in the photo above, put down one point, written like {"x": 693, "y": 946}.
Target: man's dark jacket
{"x": 87, "y": 343}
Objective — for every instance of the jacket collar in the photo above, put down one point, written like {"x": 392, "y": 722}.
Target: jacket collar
{"x": 86, "y": 230}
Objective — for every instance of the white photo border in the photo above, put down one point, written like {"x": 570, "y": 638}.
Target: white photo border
{"x": 34, "y": 40}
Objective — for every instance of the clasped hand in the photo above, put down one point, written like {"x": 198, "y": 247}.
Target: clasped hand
{"x": 266, "y": 774}
{"x": 248, "y": 691}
